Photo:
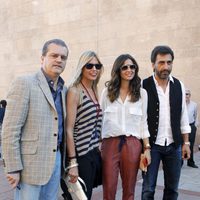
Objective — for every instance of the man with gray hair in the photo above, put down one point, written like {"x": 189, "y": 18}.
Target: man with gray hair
{"x": 193, "y": 120}
{"x": 33, "y": 129}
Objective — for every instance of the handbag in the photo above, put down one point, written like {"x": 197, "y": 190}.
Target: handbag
{"x": 76, "y": 189}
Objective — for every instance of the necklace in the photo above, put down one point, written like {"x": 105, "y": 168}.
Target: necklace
{"x": 96, "y": 105}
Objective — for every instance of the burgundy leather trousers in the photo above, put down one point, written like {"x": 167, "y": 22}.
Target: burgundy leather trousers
{"x": 120, "y": 155}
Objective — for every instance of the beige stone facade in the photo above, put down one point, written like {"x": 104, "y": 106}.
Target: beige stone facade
{"x": 110, "y": 27}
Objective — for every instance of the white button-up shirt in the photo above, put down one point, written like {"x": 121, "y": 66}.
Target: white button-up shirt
{"x": 192, "y": 112}
{"x": 164, "y": 135}
{"x": 124, "y": 118}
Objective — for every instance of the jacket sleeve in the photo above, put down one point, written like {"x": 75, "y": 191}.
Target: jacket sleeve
{"x": 14, "y": 120}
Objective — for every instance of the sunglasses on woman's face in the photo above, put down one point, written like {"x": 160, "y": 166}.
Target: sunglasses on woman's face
{"x": 126, "y": 67}
{"x": 90, "y": 66}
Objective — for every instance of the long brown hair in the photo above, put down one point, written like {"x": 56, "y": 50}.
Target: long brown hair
{"x": 115, "y": 82}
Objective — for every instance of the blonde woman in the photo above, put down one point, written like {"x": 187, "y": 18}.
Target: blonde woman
{"x": 84, "y": 119}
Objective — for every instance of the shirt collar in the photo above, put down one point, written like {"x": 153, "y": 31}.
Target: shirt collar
{"x": 156, "y": 82}
{"x": 51, "y": 82}
{"x": 128, "y": 98}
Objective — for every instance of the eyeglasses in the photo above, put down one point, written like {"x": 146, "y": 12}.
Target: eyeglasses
{"x": 90, "y": 66}
{"x": 125, "y": 67}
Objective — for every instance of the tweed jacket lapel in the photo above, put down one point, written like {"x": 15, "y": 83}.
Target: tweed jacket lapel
{"x": 64, "y": 92}
{"x": 45, "y": 88}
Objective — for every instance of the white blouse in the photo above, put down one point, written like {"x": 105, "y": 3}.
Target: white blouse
{"x": 124, "y": 118}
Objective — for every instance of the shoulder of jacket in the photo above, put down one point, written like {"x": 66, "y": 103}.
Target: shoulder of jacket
{"x": 176, "y": 80}
{"x": 24, "y": 79}
{"x": 146, "y": 81}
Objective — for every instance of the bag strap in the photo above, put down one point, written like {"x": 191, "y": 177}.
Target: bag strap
{"x": 83, "y": 183}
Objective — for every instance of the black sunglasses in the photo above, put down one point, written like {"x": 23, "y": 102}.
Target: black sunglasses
{"x": 125, "y": 67}
{"x": 90, "y": 66}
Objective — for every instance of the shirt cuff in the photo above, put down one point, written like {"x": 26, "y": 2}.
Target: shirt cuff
{"x": 185, "y": 129}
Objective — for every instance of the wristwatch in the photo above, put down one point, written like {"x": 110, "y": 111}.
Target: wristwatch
{"x": 187, "y": 143}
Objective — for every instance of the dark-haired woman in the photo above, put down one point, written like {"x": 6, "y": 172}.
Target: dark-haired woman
{"x": 124, "y": 105}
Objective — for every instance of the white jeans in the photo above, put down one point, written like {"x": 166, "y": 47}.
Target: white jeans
{"x": 48, "y": 191}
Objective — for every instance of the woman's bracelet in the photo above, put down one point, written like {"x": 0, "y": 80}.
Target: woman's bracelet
{"x": 71, "y": 157}
{"x": 145, "y": 149}
{"x": 71, "y": 166}
{"x": 72, "y": 162}
{"x": 147, "y": 146}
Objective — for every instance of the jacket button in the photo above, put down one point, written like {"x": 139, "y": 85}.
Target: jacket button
{"x": 55, "y": 134}
{"x": 54, "y": 150}
{"x": 56, "y": 118}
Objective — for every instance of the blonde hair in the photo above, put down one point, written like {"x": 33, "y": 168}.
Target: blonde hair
{"x": 84, "y": 59}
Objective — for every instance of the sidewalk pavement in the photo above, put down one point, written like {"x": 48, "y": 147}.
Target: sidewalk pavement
{"x": 189, "y": 186}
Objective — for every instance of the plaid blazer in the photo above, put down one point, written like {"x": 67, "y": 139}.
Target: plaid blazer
{"x": 30, "y": 128}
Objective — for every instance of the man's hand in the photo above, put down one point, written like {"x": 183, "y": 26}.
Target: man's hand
{"x": 13, "y": 179}
{"x": 185, "y": 152}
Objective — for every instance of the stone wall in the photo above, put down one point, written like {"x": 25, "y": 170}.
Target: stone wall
{"x": 110, "y": 27}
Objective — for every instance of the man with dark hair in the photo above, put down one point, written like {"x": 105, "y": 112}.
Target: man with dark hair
{"x": 33, "y": 130}
{"x": 168, "y": 125}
